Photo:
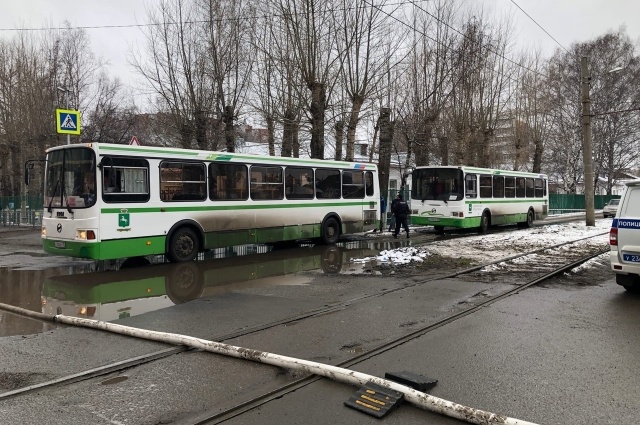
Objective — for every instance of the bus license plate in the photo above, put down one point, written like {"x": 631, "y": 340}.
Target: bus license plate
{"x": 434, "y": 219}
{"x": 60, "y": 244}
{"x": 631, "y": 258}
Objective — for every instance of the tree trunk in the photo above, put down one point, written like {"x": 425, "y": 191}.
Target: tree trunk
{"x": 271, "y": 135}
{"x": 339, "y": 127}
{"x": 373, "y": 142}
{"x": 228, "y": 129}
{"x": 318, "y": 100}
{"x": 295, "y": 138}
{"x": 287, "y": 134}
{"x": 384, "y": 155}
{"x": 354, "y": 117}
{"x": 186, "y": 133}
{"x": 518, "y": 148}
{"x": 201, "y": 130}
{"x": 537, "y": 157}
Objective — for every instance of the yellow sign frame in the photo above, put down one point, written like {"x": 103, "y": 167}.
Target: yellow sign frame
{"x": 59, "y": 120}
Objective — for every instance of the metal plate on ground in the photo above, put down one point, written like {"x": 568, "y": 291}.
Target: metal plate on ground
{"x": 375, "y": 400}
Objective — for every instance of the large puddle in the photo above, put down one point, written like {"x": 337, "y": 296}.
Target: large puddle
{"x": 114, "y": 290}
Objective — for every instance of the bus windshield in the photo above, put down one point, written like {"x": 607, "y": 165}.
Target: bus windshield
{"x": 70, "y": 178}
{"x": 444, "y": 184}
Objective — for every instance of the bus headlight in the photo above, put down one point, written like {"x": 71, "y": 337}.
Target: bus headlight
{"x": 43, "y": 233}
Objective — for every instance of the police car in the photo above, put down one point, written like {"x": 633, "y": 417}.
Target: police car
{"x": 624, "y": 238}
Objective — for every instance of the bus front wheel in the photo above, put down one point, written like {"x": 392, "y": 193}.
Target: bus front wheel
{"x": 330, "y": 231}
{"x": 184, "y": 245}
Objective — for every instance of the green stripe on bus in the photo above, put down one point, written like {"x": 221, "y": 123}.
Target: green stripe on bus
{"x": 504, "y": 172}
{"x": 508, "y": 201}
{"x": 116, "y": 248}
{"x": 223, "y": 156}
{"x": 127, "y": 148}
{"x": 229, "y": 207}
{"x": 447, "y": 222}
{"x": 109, "y": 292}
{"x": 153, "y": 245}
{"x": 468, "y": 222}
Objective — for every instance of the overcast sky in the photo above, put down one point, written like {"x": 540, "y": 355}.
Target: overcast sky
{"x": 567, "y": 21}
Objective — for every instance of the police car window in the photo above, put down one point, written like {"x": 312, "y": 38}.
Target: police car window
{"x": 632, "y": 203}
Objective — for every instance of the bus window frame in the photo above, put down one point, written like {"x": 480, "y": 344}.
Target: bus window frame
{"x": 483, "y": 188}
{"x": 182, "y": 196}
{"x": 267, "y": 190}
{"x": 235, "y": 189}
{"x": 471, "y": 192}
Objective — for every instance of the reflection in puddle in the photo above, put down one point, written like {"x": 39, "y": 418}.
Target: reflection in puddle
{"x": 128, "y": 292}
{"x": 131, "y": 291}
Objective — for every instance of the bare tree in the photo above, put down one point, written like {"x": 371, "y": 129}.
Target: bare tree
{"x": 230, "y": 58}
{"x": 615, "y": 102}
{"x": 427, "y": 81}
{"x": 279, "y": 88}
{"x": 175, "y": 67}
{"x": 366, "y": 46}
{"x": 311, "y": 30}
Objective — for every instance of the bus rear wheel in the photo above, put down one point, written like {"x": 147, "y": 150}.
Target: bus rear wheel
{"x": 330, "y": 231}
{"x": 485, "y": 220}
{"x": 529, "y": 223}
{"x": 183, "y": 246}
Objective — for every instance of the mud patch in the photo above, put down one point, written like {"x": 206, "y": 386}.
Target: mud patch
{"x": 594, "y": 273}
{"x": 432, "y": 264}
{"x": 12, "y": 381}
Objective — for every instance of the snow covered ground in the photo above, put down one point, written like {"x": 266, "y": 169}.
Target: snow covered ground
{"x": 488, "y": 247}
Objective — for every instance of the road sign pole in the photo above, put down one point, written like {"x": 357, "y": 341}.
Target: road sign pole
{"x": 66, "y": 96}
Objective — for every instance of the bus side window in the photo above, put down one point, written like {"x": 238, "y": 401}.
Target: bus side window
{"x": 470, "y": 186}
{"x": 227, "y": 181}
{"x": 509, "y": 187}
{"x": 530, "y": 193}
{"x": 520, "y": 189}
{"x": 486, "y": 186}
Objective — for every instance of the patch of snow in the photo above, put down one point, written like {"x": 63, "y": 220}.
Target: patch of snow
{"x": 491, "y": 247}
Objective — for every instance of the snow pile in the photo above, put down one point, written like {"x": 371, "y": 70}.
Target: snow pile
{"x": 486, "y": 248}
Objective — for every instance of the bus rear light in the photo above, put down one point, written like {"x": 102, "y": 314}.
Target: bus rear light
{"x": 88, "y": 311}
{"x": 613, "y": 236}
{"x": 85, "y": 235}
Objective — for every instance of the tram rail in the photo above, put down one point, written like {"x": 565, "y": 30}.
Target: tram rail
{"x": 217, "y": 417}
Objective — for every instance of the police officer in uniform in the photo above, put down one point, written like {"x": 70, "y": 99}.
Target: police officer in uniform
{"x": 401, "y": 211}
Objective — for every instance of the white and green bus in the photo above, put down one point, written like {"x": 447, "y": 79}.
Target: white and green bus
{"x": 105, "y": 201}
{"x": 471, "y": 197}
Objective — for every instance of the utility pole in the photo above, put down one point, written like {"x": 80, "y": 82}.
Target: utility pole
{"x": 587, "y": 150}
{"x": 66, "y": 100}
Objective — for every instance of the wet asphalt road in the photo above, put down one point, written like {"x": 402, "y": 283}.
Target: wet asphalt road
{"x": 564, "y": 353}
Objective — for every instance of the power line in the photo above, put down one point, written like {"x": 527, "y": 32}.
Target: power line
{"x": 540, "y": 26}
{"x": 459, "y": 32}
{"x": 465, "y": 36}
{"x": 205, "y": 21}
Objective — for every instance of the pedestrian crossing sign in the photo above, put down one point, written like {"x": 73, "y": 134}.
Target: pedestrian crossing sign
{"x": 68, "y": 121}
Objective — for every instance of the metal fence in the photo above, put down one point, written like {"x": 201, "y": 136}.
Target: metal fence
{"x": 570, "y": 203}
{"x": 21, "y": 210}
